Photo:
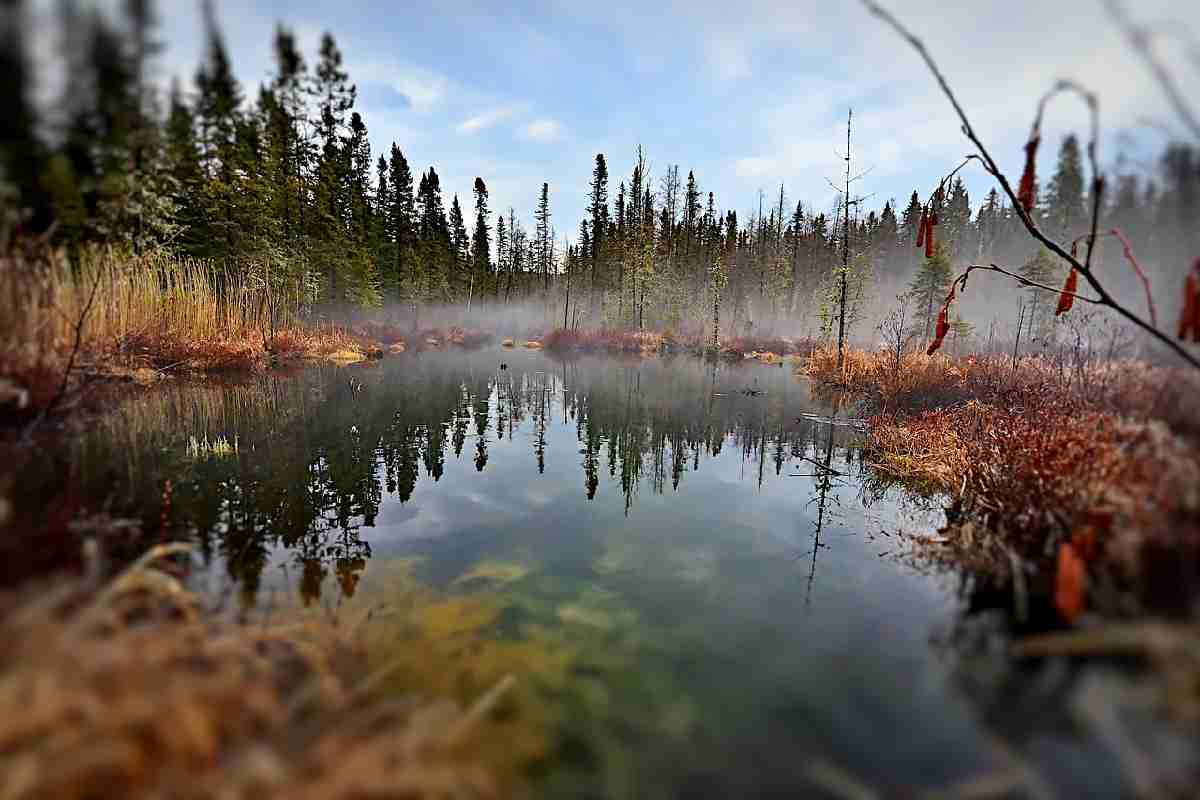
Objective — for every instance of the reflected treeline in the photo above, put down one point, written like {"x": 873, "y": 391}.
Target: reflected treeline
{"x": 307, "y": 461}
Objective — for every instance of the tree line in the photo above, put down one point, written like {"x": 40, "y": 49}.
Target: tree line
{"x": 284, "y": 185}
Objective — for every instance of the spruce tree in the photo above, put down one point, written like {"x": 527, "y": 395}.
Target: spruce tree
{"x": 1042, "y": 268}
{"x": 334, "y": 97}
{"x": 928, "y": 290}
{"x": 460, "y": 242}
{"x": 22, "y": 156}
{"x": 542, "y": 215}
{"x": 294, "y": 153}
{"x": 954, "y": 221}
{"x": 480, "y": 239}
{"x": 910, "y": 220}
{"x": 183, "y": 164}
{"x": 218, "y": 113}
{"x": 401, "y": 223}
{"x": 1064, "y": 209}
{"x": 598, "y": 210}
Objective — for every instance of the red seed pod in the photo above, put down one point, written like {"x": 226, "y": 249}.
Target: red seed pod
{"x": 1025, "y": 192}
{"x": 942, "y": 327}
{"x": 1189, "y": 317}
{"x": 1067, "y": 298}
{"x": 1070, "y": 584}
{"x": 921, "y": 229}
{"x": 1196, "y": 308}
{"x": 929, "y": 237}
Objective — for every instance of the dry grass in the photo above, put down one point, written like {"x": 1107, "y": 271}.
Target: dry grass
{"x": 606, "y": 340}
{"x": 778, "y": 345}
{"x": 1035, "y": 456}
{"x": 153, "y": 312}
{"x": 129, "y": 689}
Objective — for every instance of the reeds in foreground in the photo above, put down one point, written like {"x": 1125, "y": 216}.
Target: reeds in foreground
{"x": 130, "y": 689}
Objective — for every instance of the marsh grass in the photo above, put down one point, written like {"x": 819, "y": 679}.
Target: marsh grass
{"x": 219, "y": 447}
{"x": 160, "y": 312}
{"x": 613, "y": 340}
{"x": 1033, "y": 456}
{"x": 131, "y": 688}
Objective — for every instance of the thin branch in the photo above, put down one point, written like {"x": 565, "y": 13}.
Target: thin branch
{"x": 1139, "y": 38}
{"x": 993, "y": 168}
{"x": 1137, "y": 267}
{"x": 70, "y": 366}
{"x": 1131, "y": 257}
{"x": 942, "y": 184}
{"x": 961, "y": 282}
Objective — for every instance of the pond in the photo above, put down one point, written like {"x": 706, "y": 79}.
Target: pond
{"x": 699, "y": 586}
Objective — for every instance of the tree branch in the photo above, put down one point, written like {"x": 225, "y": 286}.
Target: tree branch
{"x": 1139, "y": 39}
{"x": 961, "y": 282}
{"x": 1104, "y": 297}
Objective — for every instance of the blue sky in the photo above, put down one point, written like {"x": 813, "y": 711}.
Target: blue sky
{"x": 745, "y": 93}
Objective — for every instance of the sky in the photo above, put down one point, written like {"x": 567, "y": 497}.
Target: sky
{"x": 748, "y": 94}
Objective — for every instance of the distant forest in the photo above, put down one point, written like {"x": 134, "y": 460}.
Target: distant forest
{"x": 283, "y": 182}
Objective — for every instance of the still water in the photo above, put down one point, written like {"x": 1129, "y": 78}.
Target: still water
{"x": 700, "y": 588}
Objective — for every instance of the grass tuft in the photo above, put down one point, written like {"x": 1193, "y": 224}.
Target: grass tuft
{"x": 132, "y": 689}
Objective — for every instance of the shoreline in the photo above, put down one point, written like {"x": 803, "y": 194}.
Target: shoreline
{"x": 1080, "y": 492}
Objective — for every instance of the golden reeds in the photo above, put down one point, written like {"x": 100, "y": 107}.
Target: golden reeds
{"x": 131, "y": 689}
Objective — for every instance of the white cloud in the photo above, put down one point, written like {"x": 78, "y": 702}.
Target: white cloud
{"x": 728, "y": 57}
{"x": 423, "y": 88}
{"x": 754, "y": 167}
{"x": 485, "y": 120}
{"x": 543, "y": 130}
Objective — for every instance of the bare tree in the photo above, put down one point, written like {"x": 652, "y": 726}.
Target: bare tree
{"x": 896, "y": 330}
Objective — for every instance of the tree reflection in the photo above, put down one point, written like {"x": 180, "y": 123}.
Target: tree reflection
{"x": 318, "y": 454}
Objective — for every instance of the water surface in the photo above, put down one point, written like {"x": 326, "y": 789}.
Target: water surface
{"x": 701, "y": 589}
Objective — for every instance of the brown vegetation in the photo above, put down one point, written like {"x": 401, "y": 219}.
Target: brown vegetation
{"x": 131, "y": 689}
{"x": 1035, "y": 455}
{"x": 613, "y": 340}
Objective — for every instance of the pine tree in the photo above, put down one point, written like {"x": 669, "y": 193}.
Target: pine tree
{"x": 460, "y": 245}
{"x": 1064, "y": 211}
{"x": 183, "y": 163}
{"x": 436, "y": 256}
{"x": 910, "y": 220}
{"x": 1042, "y": 268}
{"x": 22, "y": 156}
{"x": 988, "y": 224}
{"x": 954, "y": 221}
{"x": 401, "y": 222}
{"x": 218, "y": 113}
{"x": 480, "y": 243}
{"x": 293, "y": 152}
{"x": 502, "y": 255}
{"x": 334, "y": 96}
{"x": 543, "y": 235}
{"x": 928, "y": 290}
{"x": 691, "y": 213}
{"x": 598, "y": 210}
